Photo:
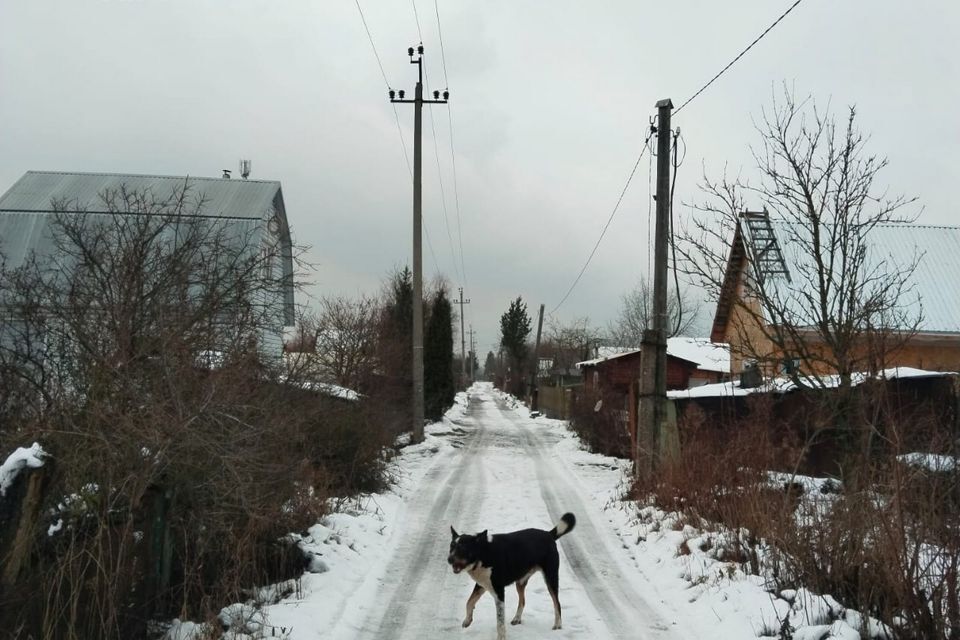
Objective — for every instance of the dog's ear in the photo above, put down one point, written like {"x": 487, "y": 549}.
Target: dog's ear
{"x": 483, "y": 536}
{"x": 454, "y": 533}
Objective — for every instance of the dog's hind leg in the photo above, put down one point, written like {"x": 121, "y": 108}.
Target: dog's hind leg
{"x": 478, "y": 591}
{"x": 551, "y": 575}
{"x": 501, "y": 615}
{"x": 521, "y": 586}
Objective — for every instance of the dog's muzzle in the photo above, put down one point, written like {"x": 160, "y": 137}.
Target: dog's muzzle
{"x": 457, "y": 564}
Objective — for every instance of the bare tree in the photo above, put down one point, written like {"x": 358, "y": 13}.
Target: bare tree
{"x": 636, "y": 311}
{"x": 342, "y": 339}
{"x": 821, "y": 297}
{"x": 569, "y": 343}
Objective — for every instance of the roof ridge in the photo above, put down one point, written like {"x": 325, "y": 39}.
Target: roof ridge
{"x": 910, "y": 225}
{"x": 146, "y": 175}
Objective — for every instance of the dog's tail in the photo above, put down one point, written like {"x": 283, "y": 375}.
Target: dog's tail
{"x": 567, "y": 522}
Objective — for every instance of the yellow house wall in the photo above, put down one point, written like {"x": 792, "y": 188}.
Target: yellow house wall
{"x": 747, "y": 341}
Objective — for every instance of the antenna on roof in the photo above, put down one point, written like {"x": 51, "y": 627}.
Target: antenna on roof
{"x": 245, "y": 169}
{"x": 226, "y": 173}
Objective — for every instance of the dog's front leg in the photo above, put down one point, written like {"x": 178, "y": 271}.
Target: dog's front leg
{"x": 501, "y": 614}
{"x": 478, "y": 591}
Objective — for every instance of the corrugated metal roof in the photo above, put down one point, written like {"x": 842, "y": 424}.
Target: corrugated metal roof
{"x": 36, "y": 190}
{"x": 936, "y": 249}
{"x": 23, "y": 233}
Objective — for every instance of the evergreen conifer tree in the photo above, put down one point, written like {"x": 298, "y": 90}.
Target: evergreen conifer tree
{"x": 439, "y": 382}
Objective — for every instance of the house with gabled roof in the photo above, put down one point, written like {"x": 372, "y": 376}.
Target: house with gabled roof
{"x": 765, "y": 251}
{"x": 251, "y": 214}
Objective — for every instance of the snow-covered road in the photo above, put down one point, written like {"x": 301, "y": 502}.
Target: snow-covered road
{"x": 378, "y": 565}
{"x": 500, "y": 475}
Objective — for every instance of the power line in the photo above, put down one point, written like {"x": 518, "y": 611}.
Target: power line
{"x": 605, "y": 227}
{"x": 453, "y": 155}
{"x": 443, "y": 56}
{"x": 456, "y": 197}
{"x": 443, "y": 197}
{"x": 732, "y": 62}
{"x": 373, "y": 46}
{"x": 416, "y": 17}
{"x": 403, "y": 144}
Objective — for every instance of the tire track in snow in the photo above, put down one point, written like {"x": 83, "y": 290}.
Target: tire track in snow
{"x": 414, "y": 558}
{"x": 624, "y": 611}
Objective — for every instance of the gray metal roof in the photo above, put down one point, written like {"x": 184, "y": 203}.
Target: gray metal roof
{"x": 935, "y": 281}
{"x": 222, "y": 197}
{"x": 244, "y": 206}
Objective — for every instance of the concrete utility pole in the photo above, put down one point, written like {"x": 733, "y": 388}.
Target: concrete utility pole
{"x": 463, "y": 339}
{"x": 534, "y": 390}
{"x": 418, "y": 103}
{"x": 653, "y": 396}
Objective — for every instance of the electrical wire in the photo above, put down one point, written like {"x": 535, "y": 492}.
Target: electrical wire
{"x": 453, "y": 155}
{"x": 456, "y": 198}
{"x": 373, "y": 46}
{"x": 605, "y": 227}
{"x": 673, "y": 244}
{"x": 443, "y": 56}
{"x": 740, "y": 55}
{"x": 416, "y": 16}
{"x": 443, "y": 197}
{"x": 649, "y": 211}
{"x": 396, "y": 115}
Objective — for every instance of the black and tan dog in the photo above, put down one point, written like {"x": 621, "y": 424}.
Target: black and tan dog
{"x": 498, "y": 560}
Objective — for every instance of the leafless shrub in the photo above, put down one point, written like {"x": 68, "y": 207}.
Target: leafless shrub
{"x": 886, "y": 546}
{"x": 602, "y": 425}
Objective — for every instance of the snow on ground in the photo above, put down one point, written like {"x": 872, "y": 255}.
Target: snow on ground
{"x": 379, "y": 568}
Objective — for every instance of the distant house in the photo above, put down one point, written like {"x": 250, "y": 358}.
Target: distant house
{"x": 764, "y": 248}
{"x": 251, "y": 212}
{"x": 690, "y": 362}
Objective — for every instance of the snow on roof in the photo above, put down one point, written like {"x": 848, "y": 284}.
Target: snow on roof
{"x": 607, "y": 353}
{"x": 20, "y": 459}
{"x": 785, "y": 385}
{"x": 708, "y": 356}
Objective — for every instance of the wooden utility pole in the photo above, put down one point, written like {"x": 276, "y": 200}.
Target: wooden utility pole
{"x": 653, "y": 388}
{"x": 418, "y": 103}
{"x": 463, "y": 339}
{"x": 536, "y": 364}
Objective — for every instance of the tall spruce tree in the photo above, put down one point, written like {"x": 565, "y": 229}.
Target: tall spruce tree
{"x": 514, "y": 330}
{"x": 490, "y": 366}
{"x": 395, "y": 351}
{"x": 438, "y": 377}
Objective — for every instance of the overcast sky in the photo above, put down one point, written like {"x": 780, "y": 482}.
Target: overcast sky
{"x": 550, "y": 103}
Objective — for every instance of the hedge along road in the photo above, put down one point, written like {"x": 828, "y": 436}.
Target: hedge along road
{"x": 504, "y": 477}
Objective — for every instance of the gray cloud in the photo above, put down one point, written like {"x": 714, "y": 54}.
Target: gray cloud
{"x": 550, "y": 104}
